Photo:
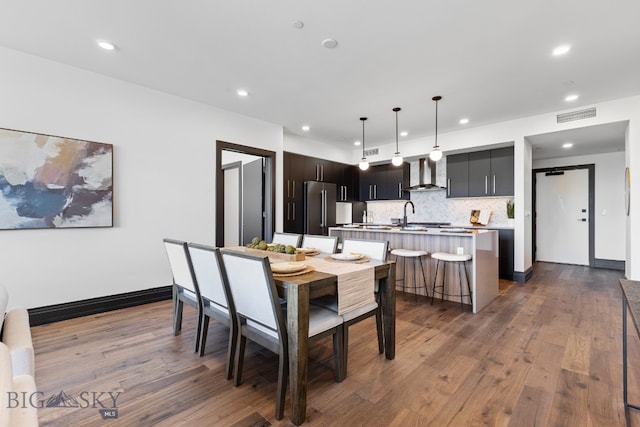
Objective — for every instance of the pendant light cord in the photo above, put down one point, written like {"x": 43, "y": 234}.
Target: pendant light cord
{"x": 436, "y": 118}
{"x": 363, "y": 119}
{"x": 396, "y": 110}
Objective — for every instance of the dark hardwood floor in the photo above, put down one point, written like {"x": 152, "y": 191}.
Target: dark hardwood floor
{"x": 547, "y": 353}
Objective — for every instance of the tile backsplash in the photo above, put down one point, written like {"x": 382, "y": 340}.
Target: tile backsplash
{"x": 433, "y": 206}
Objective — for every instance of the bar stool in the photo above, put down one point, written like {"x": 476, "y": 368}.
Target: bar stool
{"x": 416, "y": 255}
{"x": 461, "y": 259}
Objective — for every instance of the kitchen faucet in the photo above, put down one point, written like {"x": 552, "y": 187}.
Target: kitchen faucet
{"x": 404, "y": 218}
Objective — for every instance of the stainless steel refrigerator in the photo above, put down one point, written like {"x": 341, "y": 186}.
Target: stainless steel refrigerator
{"x": 319, "y": 207}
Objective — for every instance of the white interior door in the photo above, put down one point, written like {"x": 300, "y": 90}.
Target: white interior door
{"x": 562, "y": 217}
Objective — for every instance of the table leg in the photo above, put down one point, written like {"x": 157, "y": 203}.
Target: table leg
{"x": 298, "y": 333}
{"x": 388, "y": 289}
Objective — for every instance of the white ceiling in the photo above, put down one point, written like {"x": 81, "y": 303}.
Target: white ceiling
{"x": 490, "y": 60}
{"x": 597, "y": 139}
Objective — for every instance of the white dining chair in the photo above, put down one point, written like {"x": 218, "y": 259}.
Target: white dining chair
{"x": 375, "y": 250}
{"x": 325, "y": 244}
{"x": 215, "y": 295}
{"x": 287, "y": 239}
{"x": 262, "y": 319}
{"x": 185, "y": 289}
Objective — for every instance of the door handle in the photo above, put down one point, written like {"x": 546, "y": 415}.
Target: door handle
{"x": 288, "y": 211}
{"x": 494, "y": 184}
{"x": 486, "y": 184}
{"x": 321, "y": 172}
{"x": 375, "y": 191}
{"x": 288, "y": 185}
{"x": 448, "y": 186}
{"x": 399, "y": 190}
{"x": 294, "y": 189}
{"x": 294, "y": 211}
{"x": 582, "y": 219}
{"x": 370, "y": 188}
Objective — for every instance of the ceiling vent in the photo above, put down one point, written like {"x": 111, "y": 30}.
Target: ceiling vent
{"x": 576, "y": 115}
{"x": 371, "y": 152}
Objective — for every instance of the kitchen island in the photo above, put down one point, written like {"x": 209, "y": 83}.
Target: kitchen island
{"x": 482, "y": 245}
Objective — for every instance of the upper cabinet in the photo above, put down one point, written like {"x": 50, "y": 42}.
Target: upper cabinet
{"x": 481, "y": 173}
{"x": 349, "y": 185}
{"x": 384, "y": 182}
{"x": 458, "y": 175}
{"x": 322, "y": 170}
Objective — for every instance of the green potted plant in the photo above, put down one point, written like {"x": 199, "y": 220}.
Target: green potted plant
{"x": 510, "y": 211}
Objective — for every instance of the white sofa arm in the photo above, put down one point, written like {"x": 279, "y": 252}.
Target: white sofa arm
{"x": 17, "y": 336}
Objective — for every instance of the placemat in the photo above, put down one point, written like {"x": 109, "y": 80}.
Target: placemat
{"x": 355, "y": 261}
{"x": 305, "y": 270}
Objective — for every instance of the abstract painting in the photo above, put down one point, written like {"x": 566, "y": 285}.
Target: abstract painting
{"x": 54, "y": 182}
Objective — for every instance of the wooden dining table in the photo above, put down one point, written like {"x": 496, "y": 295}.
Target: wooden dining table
{"x": 298, "y": 290}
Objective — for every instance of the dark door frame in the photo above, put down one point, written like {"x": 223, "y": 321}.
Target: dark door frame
{"x": 592, "y": 205}
{"x": 270, "y": 157}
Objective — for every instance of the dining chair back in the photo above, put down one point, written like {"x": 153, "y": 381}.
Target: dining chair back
{"x": 325, "y": 244}
{"x": 185, "y": 288}
{"x": 215, "y": 296}
{"x": 262, "y": 320}
{"x": 287, "y": 239}
{"x": 374, "y": 249}
{"x": 254, "y": 292}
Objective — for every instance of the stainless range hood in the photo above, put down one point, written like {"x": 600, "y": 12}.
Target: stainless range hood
{"x": 426, "y": 186}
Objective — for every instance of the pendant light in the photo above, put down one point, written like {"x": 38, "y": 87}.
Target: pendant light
{"x": 436, "y": 154}
{"x": 397, "y": 158}
{"x": 364, "y": 164}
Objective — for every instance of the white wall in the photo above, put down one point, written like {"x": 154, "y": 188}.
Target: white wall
{"x": 314, "y": 148}
{"x": 609, "y": 200}
{"x": 164, "y": 179}
{"x": 516, "y": 131}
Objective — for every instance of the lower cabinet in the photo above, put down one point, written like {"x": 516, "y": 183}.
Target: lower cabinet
{"x": 505, "y": 249}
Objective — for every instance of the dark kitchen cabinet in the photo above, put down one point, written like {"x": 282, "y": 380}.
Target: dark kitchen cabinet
{"x": 349, "y": 185}
{"x": 502, "y": 172}
{"x": 384, "y": 182}
{"x": 506, "y": 249}
{"x": 297, "y": 169}
{"x": 319, "y": 170}
{"x": 369, "y": 182}
{"x": 481, "y": 173}
{"x": 458, "y": 175}
{"x": 396, "y": 182}
{"x": 294, "y": 177}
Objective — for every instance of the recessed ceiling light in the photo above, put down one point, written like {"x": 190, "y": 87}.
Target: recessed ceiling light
{"x": 242, "y": 92}
{"x": 306, "y": 128}
{"x": 404, "y": 133}
{"x": 329, "y": 43}
{"x": 357, "y": 143}
{"x": 567, "y": 145}
{"x": 561, "y": 50}
{"x": 464, "y": 121}
{"x": 570, "y": 98}
{"x": 106, "y": 45}
{"x": 298, "y": 24}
